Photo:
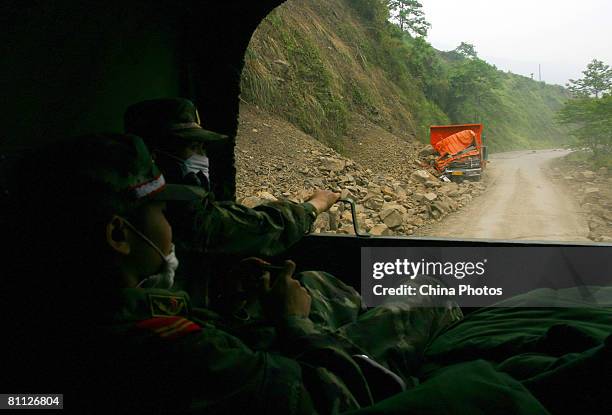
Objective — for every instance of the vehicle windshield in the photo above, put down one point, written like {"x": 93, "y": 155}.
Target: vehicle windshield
{"x": 438, "y": 118}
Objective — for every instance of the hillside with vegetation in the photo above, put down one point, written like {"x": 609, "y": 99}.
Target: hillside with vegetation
{"x": 329, "y": 67}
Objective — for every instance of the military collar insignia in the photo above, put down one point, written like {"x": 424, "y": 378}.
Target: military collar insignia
{"x": 167, "y": 305}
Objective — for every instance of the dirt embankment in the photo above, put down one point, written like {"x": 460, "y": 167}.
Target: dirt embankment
{"x": 592, "y": 190}
{"x": 389, "y": 178}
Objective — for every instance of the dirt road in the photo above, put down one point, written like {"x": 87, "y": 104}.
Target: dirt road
{"x": 520, "y": 203}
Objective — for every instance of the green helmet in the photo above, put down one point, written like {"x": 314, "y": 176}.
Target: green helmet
{"x": 175, "y": 119}
{"x": 123, "y": 164}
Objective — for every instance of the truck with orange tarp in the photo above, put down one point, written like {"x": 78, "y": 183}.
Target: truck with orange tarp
{"x": 461, "y": 150}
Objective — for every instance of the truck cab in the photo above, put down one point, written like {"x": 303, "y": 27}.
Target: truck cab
{"x": 461, "y": 150}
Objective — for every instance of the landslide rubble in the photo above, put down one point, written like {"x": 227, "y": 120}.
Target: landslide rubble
{"x": 275, "y": 161}
{"x": 593, "y": 191}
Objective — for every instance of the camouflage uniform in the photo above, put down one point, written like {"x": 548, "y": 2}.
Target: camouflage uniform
{"x": 204, "y": 230}
{"x": 141, "y": 350}
{"x": 190, "y": 360}
{"x": 394, "y": 333}
{"x": 216, "y": 372}
{"x": 391, "y": 334}
{"x": 214, "y": 227}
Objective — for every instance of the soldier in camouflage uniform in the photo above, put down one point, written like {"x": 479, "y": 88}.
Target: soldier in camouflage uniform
{"x": 171, "y": 127}
{"x": 145, "y": 348}
{"x": 203, "y": 230}
{"x": 112, "y": 346}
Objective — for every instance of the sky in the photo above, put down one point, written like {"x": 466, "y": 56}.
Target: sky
{"x": 518, "y": 35}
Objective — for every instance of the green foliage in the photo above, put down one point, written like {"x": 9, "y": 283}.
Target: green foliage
{"x": 425, "y": 65}
{"x": 319, "y": 63}
{"x": 523, "y": 116}
{"x": 597, "y": 80}
{"x": 375, "y": 11}
{"x": 590, "y": 120}
{"x": 299, "y": 88}
{"x": 409, "y": 16}
{"x": 467, "y": 50}
{"x": 587, "y": 115}
{"x": 472, "y": 82}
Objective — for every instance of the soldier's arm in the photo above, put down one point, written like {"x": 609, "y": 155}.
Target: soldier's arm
{"x": 230, "y": 228}
{"x": 226, "y": 376}
{"x": 234, "y": 229}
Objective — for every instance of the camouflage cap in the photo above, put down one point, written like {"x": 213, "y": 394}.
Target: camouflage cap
{"x": 166, "y": 118}
{"x": 123, "y": 163}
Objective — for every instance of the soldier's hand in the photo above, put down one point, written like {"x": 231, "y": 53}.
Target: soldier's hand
{"x": 322, "y": 200}
{"x": 248, "y": 273}
{"x": 286, "y": 296}
{"x": 240, "y": 285}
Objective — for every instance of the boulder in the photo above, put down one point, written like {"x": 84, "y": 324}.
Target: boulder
{"x": 333, "y": 213}
{"x": 422, "y": 176}
{"x": 252, "y": 201}
{"x": 588, "y": 174}
{"x": 393, "y": 219}
{"x": 346, "y": 194}
{"x": 380, "y": 230}
{"x": 332, "y": 164}
{"x": 441, "y": 206}
{"x": 322, "y": 222}
{"x": 373, "y": 202}
{"x": 267, "y": 196}
{"x": 346, "y": 229}
{"x": 346, "y": 216}
{"x": 427, "y": 151}
{"x": 394, "y": 206}
{"x": 400, "y": 192}
{"x": 447, "y": 188}
{"x": 430, "y": 196}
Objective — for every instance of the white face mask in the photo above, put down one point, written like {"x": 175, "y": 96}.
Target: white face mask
{"x": 165, "y": 277}
{"x": 194, "y": 164}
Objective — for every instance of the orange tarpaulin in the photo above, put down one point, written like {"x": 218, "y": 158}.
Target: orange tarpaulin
{"x": 442, "y": 162}
{"x": 455, "y": 143}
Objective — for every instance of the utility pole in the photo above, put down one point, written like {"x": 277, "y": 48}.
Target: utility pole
{"x": 540, "y": 72}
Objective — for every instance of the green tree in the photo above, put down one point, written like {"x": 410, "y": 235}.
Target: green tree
{"x": 589, "y": 114}
{"x": 590, "y": 120}
{"x": 471, "y": 83}
{"x": 597, "y": 80}
{"x": 409, "y": 16}
{"x": 426, "y": 66}
{"x": 467, "y": 50}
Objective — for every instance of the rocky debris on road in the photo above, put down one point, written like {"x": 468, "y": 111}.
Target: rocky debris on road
{"x": 280, "y": 162}
{"x": 593, "y": 192}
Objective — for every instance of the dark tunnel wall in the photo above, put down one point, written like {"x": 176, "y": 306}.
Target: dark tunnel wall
{"x": 71, "y": 68}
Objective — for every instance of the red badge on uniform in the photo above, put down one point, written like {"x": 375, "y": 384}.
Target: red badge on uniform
{"x": 169, "y": 327}
{"x": 167, "y": 305}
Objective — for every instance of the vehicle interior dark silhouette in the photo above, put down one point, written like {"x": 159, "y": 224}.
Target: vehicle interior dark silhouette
{"x": 74, "y": 67}
{"x": 71, "y": 68}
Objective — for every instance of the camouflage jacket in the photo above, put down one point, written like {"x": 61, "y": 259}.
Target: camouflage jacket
{"x": 183, "y": 359}
{"x": 233, "y": 229}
